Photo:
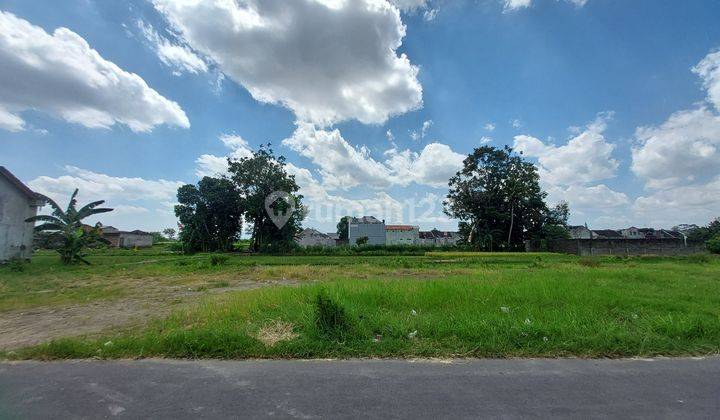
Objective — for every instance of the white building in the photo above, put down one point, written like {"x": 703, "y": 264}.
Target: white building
{"x": 402, "y": 235}
{"x": 17, "y": 203}
{"x": 366, "y": 227}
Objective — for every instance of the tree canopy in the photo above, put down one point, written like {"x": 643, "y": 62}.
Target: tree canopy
{"x": 498, "y": 200}
{"x": 210, "y": 214}
{"x": 256, "y": 177}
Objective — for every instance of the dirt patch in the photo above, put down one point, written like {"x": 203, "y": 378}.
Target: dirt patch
{"x": 28, "y": 327}
{"x": 275, "y": 332}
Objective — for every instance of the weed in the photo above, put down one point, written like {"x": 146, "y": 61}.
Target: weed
{"x": 331, "y": 319}
{"x": 589, "y": 262}
{"x": 218, "y": 259}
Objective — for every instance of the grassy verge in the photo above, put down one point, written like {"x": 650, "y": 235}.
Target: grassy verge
{"x": 492, "y": 306}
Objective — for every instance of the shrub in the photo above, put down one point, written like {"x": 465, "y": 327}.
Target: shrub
{"x": 713, "y": 245}
{"x": 589, "y": 262}
{"x": 218, "y": 259}
{"x": 331, "y": 319}
{"x": 16, "y": 264}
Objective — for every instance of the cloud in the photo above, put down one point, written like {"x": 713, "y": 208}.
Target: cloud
{"x": 430, "y": 15}
{"x": 409, "y": 5}
{"x": 572, "y": 172}
{"x": 415, "y": 135}
{"x": 61, "y": 75}
{"x": 211, "y": 165}
{"x": 512, "y": 5}
{"x": 585, "y": 158}
{"x": 172, "y": 54}
{"x": 343, "y": 166}
{"x": 685, "y": 148}
{"x": 709, "y": 70}
{"x": 678, "y": 159}
{"x": 433, "y": 166}
{"x": 328, "y": 61}
{"x": 327, "y": 207}
{"x": 97, "y": 186}
{"x": 699, "y": 204}
{"x": 598, "y": 197}
{"x": 517, "y": 4}
{"x": 489, "y": 127}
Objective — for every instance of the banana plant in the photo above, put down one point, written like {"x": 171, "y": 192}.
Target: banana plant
{"x": 66, "y": 227}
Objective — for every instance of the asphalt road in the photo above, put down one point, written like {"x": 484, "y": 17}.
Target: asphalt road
{"x": 660, "y": 388}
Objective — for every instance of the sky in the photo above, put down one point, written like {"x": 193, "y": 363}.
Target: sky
{"x": 374, "y": 103}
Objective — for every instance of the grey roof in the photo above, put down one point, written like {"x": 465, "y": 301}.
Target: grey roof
{"x": 313, "y": 232}
{"x": 364, "y": 220}
{"x": 608, "y": 233}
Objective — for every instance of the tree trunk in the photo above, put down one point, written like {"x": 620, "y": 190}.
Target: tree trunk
{"x": 512, "y": 220}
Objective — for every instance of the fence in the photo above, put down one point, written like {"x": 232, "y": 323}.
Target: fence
{"x": 617, "y": 246}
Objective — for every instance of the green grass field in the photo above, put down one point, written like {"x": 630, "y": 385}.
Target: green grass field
{"x": 436, "y": 305}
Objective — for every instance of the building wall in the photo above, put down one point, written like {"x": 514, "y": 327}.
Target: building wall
{"x": 374, "y": 231}
{"x": 16, "y": 235}
{"x": 316, "y": 241}
{"x": 403, "y": 237}
{"x": 589, "y": 247}
{"x": 132, "y": 240}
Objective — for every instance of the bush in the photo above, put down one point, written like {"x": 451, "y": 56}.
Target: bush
{"x": 16, "y": 264}
{"x": 713, "y": 245}
{"x": 331, "y": 319}
{"x": 589, "y": 262}
{"x": 218, "y": 259}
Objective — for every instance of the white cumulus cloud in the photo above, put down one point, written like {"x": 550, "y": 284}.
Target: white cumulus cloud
{"x": 327, "y": 61}
{"x": 172, "y": 54}
{"x": 60, "y": 74}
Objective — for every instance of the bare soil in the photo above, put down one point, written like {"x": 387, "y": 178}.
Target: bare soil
{"x": 28, "y": 327}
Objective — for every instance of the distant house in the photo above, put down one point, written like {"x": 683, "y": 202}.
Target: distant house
{"x": 312, "y": 237}
{"x": 366, "y": 227}
{"x": 606, "y": 234}
{"x": 17, "y": 203}
{"x": 439, "y": 238}
{"x": 660, "y": 234}
{"x": 402, "y": 235}
{"x": 633, "y": 233}
{"x": 123, "y": 239}
{"x": 580, "y": 232}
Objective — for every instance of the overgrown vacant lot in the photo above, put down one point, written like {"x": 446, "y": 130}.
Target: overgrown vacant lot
{"x": 437, "y": 304}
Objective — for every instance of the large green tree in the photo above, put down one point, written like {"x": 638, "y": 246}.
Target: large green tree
{"x": 210, "y": 215}
{"x": 65, "y": 228}
{"x": 257, "y": 177}
{"x": 498, "y": 199}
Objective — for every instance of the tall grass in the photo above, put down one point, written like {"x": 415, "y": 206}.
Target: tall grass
{"x": 618, "y": 308}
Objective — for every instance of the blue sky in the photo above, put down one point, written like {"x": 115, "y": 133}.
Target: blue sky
{"x": 617, "y": 101}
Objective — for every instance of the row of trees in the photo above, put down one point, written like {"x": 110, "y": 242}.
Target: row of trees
{"x": 212, "y": 213}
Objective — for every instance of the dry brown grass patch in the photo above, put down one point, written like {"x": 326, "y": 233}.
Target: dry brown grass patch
{"x": 275, "y": 332}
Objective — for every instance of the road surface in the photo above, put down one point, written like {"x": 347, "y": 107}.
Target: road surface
{"x": 570, "y": 388}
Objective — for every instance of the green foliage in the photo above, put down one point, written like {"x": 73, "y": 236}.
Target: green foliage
{"x": 256, "y": 177}
{"x": 210, "y": 215}
{"x": 498, "y": 199}
{"x": 218, "y": 259}
{"x": 362, "y": 241}
{"x": 342, "y": 229}
{"x": 65, "y": 228}
{"x": 331, "y": 319}
{"x": 16, "y": 265}
{"x": 702, "y": 234}
{"x": 169, "y": 233}
{"x": 713, "y": 245}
